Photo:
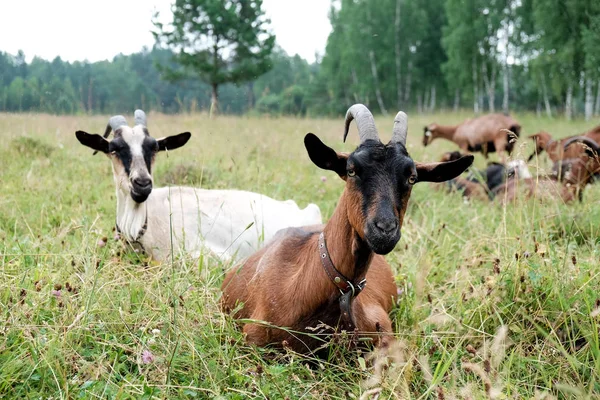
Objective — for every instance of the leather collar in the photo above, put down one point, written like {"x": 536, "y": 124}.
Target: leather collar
{"x": 347, "y": 288}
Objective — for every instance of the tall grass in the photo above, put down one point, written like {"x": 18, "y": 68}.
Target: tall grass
{"x": 495, "y": 301}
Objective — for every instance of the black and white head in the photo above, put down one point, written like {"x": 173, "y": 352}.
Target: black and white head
{"x": 379, "y": 177}
{"x": 132, "y": 152}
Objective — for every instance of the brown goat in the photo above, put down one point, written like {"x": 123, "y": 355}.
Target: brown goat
{"x": 577, "y": 172}
{"x": 306, "y": 281}
{"x": 485, "y": 134}
{"x": 556, "y": 148}
{"x": 542, "y": 189}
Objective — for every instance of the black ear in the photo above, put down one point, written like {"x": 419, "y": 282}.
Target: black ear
{"x": 173, "y": 142}
{"x": 325, "y": 157}
{"x": 94, "y": 141}
{"x": 443, "y": 171}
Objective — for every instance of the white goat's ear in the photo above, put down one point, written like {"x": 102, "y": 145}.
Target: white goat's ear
{"x": 93, "y": 141}
{"x": 173, "y": 142}
{"x": 442, "y": 171}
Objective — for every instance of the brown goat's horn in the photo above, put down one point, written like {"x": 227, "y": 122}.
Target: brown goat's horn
{"x": 364, "y": 122}
{"x": 400, "y": 128}
{"x": 140, "y": 117}
{"x": 582, "y": 139}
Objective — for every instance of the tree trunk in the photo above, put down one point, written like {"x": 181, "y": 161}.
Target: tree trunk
{"x": 597, "y": 107}
{"x": 490, "y": 85}
{"x": 432, "y": 100}
{"x": 420, "y": 103}
{"x": 398, "y": 58}
{"x": 89, "y": 100}
{"x": 505, "y": 88}
{"x": 569, "y": 103}
{"x": 425, "y": 105}
{"x": 376, "y": 81}
{"x": 475, "y": 88}
{"x": 408, "y": 82}
{"x": 214, "y": 100}
{"x": 546, "y": 100}
{"x": 589, "y": 99}
{"x": 538, "y": 109}
{"x": 251, "y": 99}
{"x": 456, "y": 100}
{"x": 355, "y": 81}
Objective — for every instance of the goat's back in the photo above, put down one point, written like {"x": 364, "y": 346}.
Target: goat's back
{"x": 231, "y": 223}
{"x": 486, "y": 128}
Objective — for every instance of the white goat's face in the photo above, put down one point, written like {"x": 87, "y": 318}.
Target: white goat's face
{"x": 132, "y": 152}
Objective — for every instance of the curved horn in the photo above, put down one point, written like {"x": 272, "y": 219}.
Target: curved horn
{"x": 400, "y": 128}
{"x": 113, "y": 124}
{"x": 364, "y": 122}
{"x": 140, "y": 117}
{"x": 585, "y": 140}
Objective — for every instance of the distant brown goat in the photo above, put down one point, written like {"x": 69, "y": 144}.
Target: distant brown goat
{"x": 577, "y": 172}
{"x": 556, "y": 148}
{"x": 486, "y": 134}
{"x": 308, "y": 280}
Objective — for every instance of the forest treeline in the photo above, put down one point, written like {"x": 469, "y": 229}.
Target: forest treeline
{"x": 417, "y": 55}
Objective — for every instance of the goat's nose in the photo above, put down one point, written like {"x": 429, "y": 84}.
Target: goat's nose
{"x": 387, "y": 225}
{"x": 142, "y": 182}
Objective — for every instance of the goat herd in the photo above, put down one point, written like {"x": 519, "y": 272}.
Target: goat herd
{"x": 304, "y": 283}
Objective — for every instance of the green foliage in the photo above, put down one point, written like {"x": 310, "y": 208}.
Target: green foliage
{"x": 218, "y": 41}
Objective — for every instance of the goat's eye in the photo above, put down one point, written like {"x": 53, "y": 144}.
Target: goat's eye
{"x": 351, "y": 172}
{"x": 412, "y": 179}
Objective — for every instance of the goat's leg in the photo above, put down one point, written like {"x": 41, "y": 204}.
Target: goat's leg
{"x": 374, "y": 320}
{"x": 257, "y": 333}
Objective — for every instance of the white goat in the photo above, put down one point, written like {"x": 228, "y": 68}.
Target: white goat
{"x": 229, "y": 223}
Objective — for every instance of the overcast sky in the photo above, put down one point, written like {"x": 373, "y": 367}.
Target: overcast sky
{"x": 100, "y": 29}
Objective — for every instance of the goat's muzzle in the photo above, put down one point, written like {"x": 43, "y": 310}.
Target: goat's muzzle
{"x": 382, "y": 235}
{"x": 141, "y": 189}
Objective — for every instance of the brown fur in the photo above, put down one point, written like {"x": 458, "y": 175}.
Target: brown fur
{"x": 284, "y": 284}
{"x": 542, "y": 189}
{"x": 295, "y": 291}
{"x": 481, "y": 131}
{"x": 555, "y": 148}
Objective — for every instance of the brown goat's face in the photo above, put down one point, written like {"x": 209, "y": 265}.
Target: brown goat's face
{"x": 379, "y": 180}
{"x": 429, "y": 133}
{"x": 132, "y": 152}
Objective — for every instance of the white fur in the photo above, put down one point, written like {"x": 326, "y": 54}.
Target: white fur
{"x": 232, "y": 224}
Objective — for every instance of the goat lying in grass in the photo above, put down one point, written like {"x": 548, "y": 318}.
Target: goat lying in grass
{"x": 556, "y": 149}
{"x": 310, "y": 279}
{"x": 229, "y": 223}
{"x": 485, "y": 134}
{"x": 482, "y": 184}
{"x": 577, "y": 172}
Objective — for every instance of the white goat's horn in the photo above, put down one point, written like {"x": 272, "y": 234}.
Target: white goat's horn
{"x": 140, "y": 118}
{"x": 364, "y": 122}
{"x": 400, "y": 130}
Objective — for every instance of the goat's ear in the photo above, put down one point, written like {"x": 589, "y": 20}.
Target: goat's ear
{"x": 325, "y": 157}
{"x": 93, "y": 141}
{"x": 173, "y": 142}
{"x": 442, "y": 171}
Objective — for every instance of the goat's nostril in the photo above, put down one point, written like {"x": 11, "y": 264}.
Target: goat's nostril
{"x": 387, "y": 226}
{"x": 142, "y": 182}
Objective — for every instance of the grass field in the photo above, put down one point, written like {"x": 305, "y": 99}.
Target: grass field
{"x": 497, "y": 302}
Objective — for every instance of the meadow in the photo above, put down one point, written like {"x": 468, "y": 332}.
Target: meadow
{"x": 496, "y": 301}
